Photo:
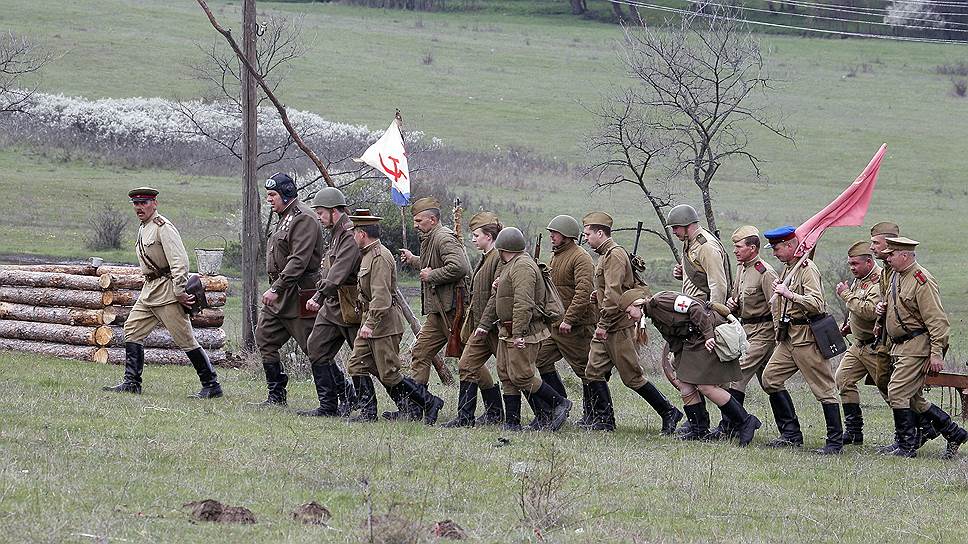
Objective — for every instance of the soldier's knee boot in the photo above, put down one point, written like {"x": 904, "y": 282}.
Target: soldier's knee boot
{"x": 556, "y": 406}
{"x": 512, "y": 413}
{"x": 835, "y": 430}
{"x": 134, "y": 364}
{"x": 586, "y": 407}
{"x": 905, "y": 427}
{"x": 670, "y": 414}
{"x": 786, "y": 421}
{"x": 603, "y": 412}
{"x": 853, "y": 424}
{"x": 276, "y": 381}
{"x": 366, "y": 394}
{"x": 554, "y": 380}
{"x": 326, "y": 390}
{"x": 206, "y": 375}
{"x": 539, "y": 410}
{"x": 466, "y": 406}
{"x": 698, "y": 421}
{"x": 742, "y": 423}
{"x": 344, "y": 389}
{"x": 493, "y": 407}
{"x": 955, "y": 435}
{"x": 725, "y": 430}
{"x": 926, "y": 430}
{"x": 423, "y": 401}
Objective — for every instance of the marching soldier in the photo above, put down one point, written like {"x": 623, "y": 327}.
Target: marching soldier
{"x": 484, "y": 227}
{"x": 865, "y": 357}
{"x": 749, "y": 301}
{"x": 705, "y": 264}
{"x": 376, "y": 349}
{"x": 689, "y": 327}
{"x": 613, "y": 344}
{"x": 444, "y": 271}
{"x": 164, "y": 263}
{"x": 293, "y": 255}
{"x": 335, "y": 306}
{"x": 517, "y": 308}
{"x": 797, "y": 300}
{"x": 918, "y": 327}
{"x": 573, "y": 274}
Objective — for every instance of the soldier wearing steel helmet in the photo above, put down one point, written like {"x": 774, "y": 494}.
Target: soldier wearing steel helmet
{"x": 613, "y": 344}
{"x": 163, "y": 299}
{"x": 573, "y": 275}
{"x": 516, "y": 309}
{"x": 293, "y": 254}
{"x": 705, "y": 264}
{"x": 337, "y": 320}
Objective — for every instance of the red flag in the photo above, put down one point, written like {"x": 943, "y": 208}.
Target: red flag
{"x": 847, "y": 210}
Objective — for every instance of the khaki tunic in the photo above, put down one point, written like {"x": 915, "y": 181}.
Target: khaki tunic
{"x": 752, "y": 290}
{"x": 686, "y": 324}
{"x": 799, "y": 352}
{"x": 573, "y": 274}
{"x": 160, "y": 247}
{"x": 336, "y": 291}
{"x": 862, "y": 358}
{"x": 378, "y": 355}
{"x": 704, "y": 268}
{"x": 519, "y": 293}
{"x": 914, "y": 305}
{"x": 477, "y": 350}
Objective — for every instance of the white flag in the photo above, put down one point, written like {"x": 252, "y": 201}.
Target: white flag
{"x": 389, "y": 156}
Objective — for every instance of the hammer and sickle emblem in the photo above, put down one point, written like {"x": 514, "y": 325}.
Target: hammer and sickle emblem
{"x": 395, "y": 172}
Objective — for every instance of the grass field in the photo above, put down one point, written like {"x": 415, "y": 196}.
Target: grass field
{"x": 76, "y": 461}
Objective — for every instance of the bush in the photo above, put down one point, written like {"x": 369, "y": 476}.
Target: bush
{"x": 960, "y": 86}
{"x": 107, "y": 228}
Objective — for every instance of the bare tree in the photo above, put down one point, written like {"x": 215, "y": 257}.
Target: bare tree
{"x": 690, "y": 111}
{"x": 18, "y": 58}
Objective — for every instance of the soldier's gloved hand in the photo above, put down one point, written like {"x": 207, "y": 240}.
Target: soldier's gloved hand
{"x": 564, "y": 328}
{"x": 677, "y": 271}
{"x": 601, "y": 334}
{"x": 710, "y": 344}
{"x": 312, "y": 305}
{"x": 365, "y": 332}
{"x": 935, "y": 365}
{"x": 731, "y": 304}
{"x": 186, "y": 300}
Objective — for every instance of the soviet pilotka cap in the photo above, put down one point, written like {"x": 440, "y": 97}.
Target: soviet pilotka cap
{"x": 885, "y": 228}
{"x": 424, "y": 204}
{"x": 481, "y": 219}
{"x": 744, "y": 232}
{"x": 142, "y": 194}
{"x": 597, "y": 218}
{"x": 859, "y": 249}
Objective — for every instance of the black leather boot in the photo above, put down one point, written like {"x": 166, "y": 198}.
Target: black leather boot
{"x": 555, "y": 406}
{"x": 366, "y": 395}
{"x": 344, "y": 390}
{"x": 586, "y": 408}
{"x": 276, "y": 381}
{"x": 512, "y": 413}
{"x": 853, "y": 424}
{"x": 206, "y": 375}
{"x": 466, "y": 405}
{"x": 742, "y": 423}
{"x": 604, "y": 413}
{"x": 493, "y": 407}
{"x": 409, "y": 410}
{"x": 554, "y": 380}
{"x": 326, "y": 390}
{"x": 906, "y": 431}
{"x": 955, "y": 435}
{"x": 698, "y": 422}
{"x": 670, "y": 414}
{"x": 926, "y": 431}
{"x": 786, "y": 421}
{"x": 134, "y": 365}
{"x": 539, "y": 410}
{"x": 835, "y": 430}
{"x": 725, "y": 429}
{"x": 423, "y": 401}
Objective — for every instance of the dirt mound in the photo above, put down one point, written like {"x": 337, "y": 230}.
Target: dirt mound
{"x": 311, "y": 513}
{"x": 211, "y": 510}
{"x": 449, "y": 529}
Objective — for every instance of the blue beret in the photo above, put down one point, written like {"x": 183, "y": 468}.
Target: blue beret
{"x": 781, "y": 234}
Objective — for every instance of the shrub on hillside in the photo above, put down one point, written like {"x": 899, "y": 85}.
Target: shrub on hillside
{"x": 107, "y": 228}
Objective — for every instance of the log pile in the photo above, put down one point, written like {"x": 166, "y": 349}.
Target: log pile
{"x": 78, "y": 312}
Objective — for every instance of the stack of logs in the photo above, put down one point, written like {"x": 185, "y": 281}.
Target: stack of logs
{"x": 77, "y": 312}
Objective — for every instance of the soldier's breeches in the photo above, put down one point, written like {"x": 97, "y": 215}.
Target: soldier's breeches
{"x": 377, "y": 356}
{"x": 432, "y": 337}
{"x": 144, "y": 318}
{"x": 758, "y": 354}
{"x": 858, "y": 363}
{"x": 907, "y": 381}
{"x": 326, "y": 339}
{"x": 618, "y": 351}
{"x": 273, "y": 332}
{"x": 573, "y": 348}
{"x": 515, "y": 366}
{"x": 788, "y": 359}
{"x": 472, "y": 366}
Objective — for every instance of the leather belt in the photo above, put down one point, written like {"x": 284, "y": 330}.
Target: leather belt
{"x": 905, "y": 337}
{"x": 756, "y": 319}
{"x": 799, "y": 321}
{"x": 863, "y": 343}
{"x": 164, "y": 272}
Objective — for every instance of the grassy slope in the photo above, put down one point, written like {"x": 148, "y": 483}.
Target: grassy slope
{"x": 122, "y": 466}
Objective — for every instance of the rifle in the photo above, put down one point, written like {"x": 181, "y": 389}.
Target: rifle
{"x": 454, "y": 344}
{"x": 637, "y": 263}
{"x": 537, "y": 246}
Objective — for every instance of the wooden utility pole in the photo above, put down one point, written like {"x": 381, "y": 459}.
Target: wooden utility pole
{"x": 250, "y": 190}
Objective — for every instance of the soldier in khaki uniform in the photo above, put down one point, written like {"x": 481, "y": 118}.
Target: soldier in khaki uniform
{"x": 688, "y": 325}
{"x": 865, "y": 357}
{"x": 705, "y": 264}
{"x": 797, "y": 300}
{"x": 376, "y": 349}
{"x": 573, "y": 275}
{"x": 919, "y": 328}
{"x": 517, "y": 308}
{"x": 334, "y": 303}
{"x": 749, "y": 301}
{"x": 484, "y": 227}
{"x": 444, "y": 271}
{"x": 293, "y": 255}
{"x": 613, "y": 344}
{"x": 164, "y": 263}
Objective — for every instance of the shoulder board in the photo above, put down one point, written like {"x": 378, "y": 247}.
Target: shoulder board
{"x": 158, "y": 221}
{"x": 349, "y": 227}
{"x": 919, "y": 275}
{"x": 805, "y": 263}
{"x": 760, "y": 267}
{"x": 701, "y": 239}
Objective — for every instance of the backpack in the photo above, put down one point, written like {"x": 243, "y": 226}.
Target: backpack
{"x": 552, "y": 309}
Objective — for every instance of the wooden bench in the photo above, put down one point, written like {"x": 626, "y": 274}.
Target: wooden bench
{"x": 959, "y": 382}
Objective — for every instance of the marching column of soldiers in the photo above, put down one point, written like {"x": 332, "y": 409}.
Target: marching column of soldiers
{"x": 529, "y": 315}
